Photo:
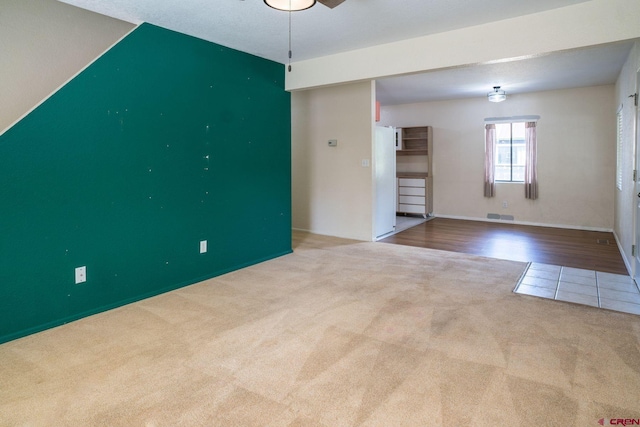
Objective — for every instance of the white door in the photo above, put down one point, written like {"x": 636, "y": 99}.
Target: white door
{"x": 636, "y": 270}
{"x": 385, "y": 181}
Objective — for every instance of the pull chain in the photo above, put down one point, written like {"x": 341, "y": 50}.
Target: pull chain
{"x": 289, "y": 68}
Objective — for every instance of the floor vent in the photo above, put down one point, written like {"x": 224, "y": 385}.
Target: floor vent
{"x": 498, "y": 216}
{"x": 603, "y": 241}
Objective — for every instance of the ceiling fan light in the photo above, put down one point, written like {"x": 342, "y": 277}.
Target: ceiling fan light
{"x": 497, "y": 95}
{"x": 290, "y": 5}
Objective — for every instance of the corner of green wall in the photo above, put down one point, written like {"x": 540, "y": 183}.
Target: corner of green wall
{"x": 164, "y": 141}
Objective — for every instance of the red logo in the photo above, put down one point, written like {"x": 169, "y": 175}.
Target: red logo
{"x": 620, "y": 421}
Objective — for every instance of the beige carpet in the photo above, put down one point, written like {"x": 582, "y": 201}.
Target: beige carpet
{"x": 339, "y": 333}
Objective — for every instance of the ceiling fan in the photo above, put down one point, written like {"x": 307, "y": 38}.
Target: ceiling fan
{"x": 331, "y": 3}
{"x": 294, "y": 5}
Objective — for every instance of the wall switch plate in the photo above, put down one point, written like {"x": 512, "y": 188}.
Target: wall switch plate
{"x": 81, "y": 274}
{"x": 333, "y": 143}
{"x": 203, "y": 246}
{"x": 505, "y": 204}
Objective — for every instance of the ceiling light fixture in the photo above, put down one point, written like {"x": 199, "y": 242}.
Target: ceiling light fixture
{"x": 497, "y": 95}
{"x": 290, "y": 5}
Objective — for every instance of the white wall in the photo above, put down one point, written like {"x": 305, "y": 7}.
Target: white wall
{"x": 44, "y": 44}
{"x": 625, "y": 199}
{"x": 576, "y": 156}
{"x": 332, "y": 193}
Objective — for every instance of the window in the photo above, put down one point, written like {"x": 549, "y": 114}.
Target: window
{"x": 510, "y": 152}
{"x": 619, "y": 151}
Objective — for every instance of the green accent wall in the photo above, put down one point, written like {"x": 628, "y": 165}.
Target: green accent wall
{"x": 164, "y": 141}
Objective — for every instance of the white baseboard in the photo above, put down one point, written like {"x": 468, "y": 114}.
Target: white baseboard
{"x": 300, "y": 229}
{"x": 622, "y": 253}
{"x": 535, "y": 224}
{"x": 319, "y": 233}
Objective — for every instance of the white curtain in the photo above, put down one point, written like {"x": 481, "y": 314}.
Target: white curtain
{"x": 489, "y": 160}
{"x": 531, "y": 162}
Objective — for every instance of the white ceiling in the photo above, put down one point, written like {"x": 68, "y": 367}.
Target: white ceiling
{"x": 253, "y": 27}
{"x": 593, "y": 66}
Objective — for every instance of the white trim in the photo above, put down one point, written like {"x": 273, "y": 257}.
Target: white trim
{"x": 535, "y": 224}
{"x": 319, "y": 233}
{"x": 619, "y": 147}
{"x": 512, "y": 119}
{"x": 304, "y": 230}
{"x": 67, "y": 81}
{"x": 624, "y": 258}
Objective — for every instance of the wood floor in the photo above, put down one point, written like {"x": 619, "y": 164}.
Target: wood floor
{"x": 590, "y": 250}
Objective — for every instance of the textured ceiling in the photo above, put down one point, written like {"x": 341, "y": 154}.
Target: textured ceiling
{"x": 591, "y": 66}
{"x": 253, "y": 27}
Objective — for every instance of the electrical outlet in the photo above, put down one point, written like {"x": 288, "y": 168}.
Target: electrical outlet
{"x": 365, "y": 163}
{"x": 505, "y": 204}
{"x": 81, "y": 274}
{"x": 203, "y": 246}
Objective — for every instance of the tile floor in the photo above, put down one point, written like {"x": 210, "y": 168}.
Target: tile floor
{"x": 588, "y": 287}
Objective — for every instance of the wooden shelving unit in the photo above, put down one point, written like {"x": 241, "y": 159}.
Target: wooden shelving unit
{"x": 415, "y": 189}
{"x": 411, "y": 152}
{"x": 416, "y": 141}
